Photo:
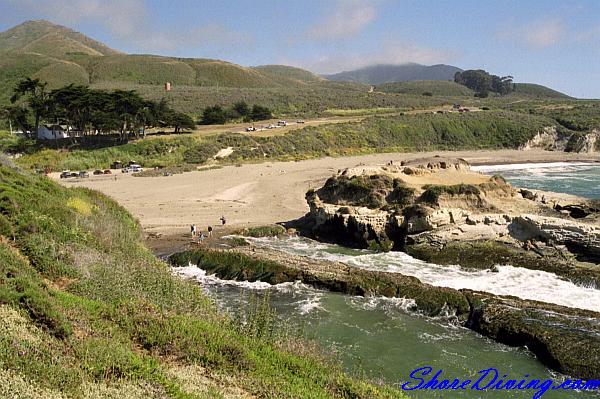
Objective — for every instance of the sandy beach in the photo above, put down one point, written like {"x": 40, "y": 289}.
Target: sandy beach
{"x": 258, "y": 194}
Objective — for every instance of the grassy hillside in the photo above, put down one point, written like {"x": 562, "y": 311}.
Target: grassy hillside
{"x": 424, "y": 87}
{"x": 404, "y": 133}
{"x": 142, "y": 69}
{"x": 287, "y": 72}
{"x": 74, "y": 58}
{"x": 47, "y": 38}
{"x": 61, "y": 56}
{"x": 309, "y": 99}
{"x": 537, "y": 91}
{"x": 86, "y": 311}
{"x": 379, "y": 74}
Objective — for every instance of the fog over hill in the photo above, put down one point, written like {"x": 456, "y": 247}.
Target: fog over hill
{"x": 384, "y": 73}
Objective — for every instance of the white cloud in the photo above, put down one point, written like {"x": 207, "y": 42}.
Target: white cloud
{"x": 392, "y": 53}
{"x": 544, "y": 33}
{"x": 539, "y": 34}
{"x": 349, "y": 18}
{"x": 588, "y": 36}
{"x": 131, "y": 22}
{"x": 121, "y": 17}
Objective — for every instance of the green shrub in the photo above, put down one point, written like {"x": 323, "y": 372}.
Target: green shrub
{"x": 432, "y": 193}
{"x": 263, "y": 231}
{"x": 200, "y": 153}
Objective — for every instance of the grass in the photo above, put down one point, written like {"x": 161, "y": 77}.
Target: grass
{"x": 537, "y": 91}
{"x": 361, "y": 111}
{"x": 433, "y": 193}
{"x": 88, "y": 311}
{"x": 263, "y": 231}
{"x": 434, "y": 87}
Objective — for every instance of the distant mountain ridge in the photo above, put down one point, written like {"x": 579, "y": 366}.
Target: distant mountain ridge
{"x": 46, "y": 38}
{"x": 59, "y": 56}
{"x": 387, "y": 73}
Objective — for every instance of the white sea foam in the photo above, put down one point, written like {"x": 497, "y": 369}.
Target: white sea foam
{"x": 309, "y": 304}
{"x": 509, "y": 280}
{"x": 195, "y": 273}
{"x": 310, "y": 298}
{"x": 531, "y": 166}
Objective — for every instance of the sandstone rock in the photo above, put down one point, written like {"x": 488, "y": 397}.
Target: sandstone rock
{"x": 578, "y": 236}
{"x": 565, "y": 339}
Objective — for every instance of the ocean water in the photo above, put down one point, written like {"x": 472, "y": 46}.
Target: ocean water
{"x": 582, "y": 179}
{"x": 385, "y": 339}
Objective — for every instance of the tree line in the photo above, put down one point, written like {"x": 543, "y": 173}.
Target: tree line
{"x": 483, "y": 82}
{"x": 90, "y": 111}
{"x": 217, "y": 115}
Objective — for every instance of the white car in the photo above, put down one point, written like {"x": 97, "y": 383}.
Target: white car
{"x": 133, "y": 169}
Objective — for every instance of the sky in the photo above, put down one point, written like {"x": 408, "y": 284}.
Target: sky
{"x": 550, "y": 42}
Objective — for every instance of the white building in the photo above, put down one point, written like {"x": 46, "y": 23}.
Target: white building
{"x": 52, "y": 132}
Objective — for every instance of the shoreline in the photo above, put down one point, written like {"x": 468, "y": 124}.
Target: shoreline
{"x": 255, "y": 194}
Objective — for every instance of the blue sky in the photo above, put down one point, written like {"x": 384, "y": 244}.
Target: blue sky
{"x": 551, "y": 42}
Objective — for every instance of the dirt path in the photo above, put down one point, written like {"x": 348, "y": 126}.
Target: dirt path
{"x": 263, "y": 131}
{"x": 257, "y": 194}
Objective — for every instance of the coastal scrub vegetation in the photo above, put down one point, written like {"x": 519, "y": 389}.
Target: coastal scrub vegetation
{"x": 217, "y": 115}
{"x": 372, "y": 191}
{"x": 401, "y": 133}
{"x": 433, "y": 193}
{"x": 272, "y": 230}
{"x": 87, "y": 311}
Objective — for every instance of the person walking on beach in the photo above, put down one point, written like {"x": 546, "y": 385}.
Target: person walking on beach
{"x": 200, "y": 237}
{"x": 210, "y": 231}
{"x": 223, "y": 220}
{"x": 193, "y": 229}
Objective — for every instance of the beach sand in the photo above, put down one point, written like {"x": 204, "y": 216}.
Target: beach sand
{"x": 258, "y": 194}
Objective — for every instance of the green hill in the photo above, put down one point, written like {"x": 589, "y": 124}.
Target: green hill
{"x": 60, "y": 56}
{"x": 47, "y": 38}
{"x": 379, "y": 74}
{"x": 86, "y": 311}
{"x": 287, "y": 72}
{"x": 424, "y": 87}
{"x": 533, "y": 90}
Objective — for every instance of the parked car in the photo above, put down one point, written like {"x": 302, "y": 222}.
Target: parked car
{"x": 98, "y": 172}
{"x": 74, "y": 174}
{"x": 300, "y": 121}
{"x": 107, "y": 172}
{"x": 251, "y": 129}
{"x": 282, "y": 123}
{"x": 65, "y": 174}
{"x": 134, "y": 168}
{"x": 83, "y": 174}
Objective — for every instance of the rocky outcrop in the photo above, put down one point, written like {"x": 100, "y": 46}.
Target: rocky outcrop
{"x": 585, "y": 143}
{"x": 578, "y": 237}
{"x": 565, "y": 339}
{"x": 550, "y": 139}
{"x": 252, "y": 264}
{"x": 476, "y": 226}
